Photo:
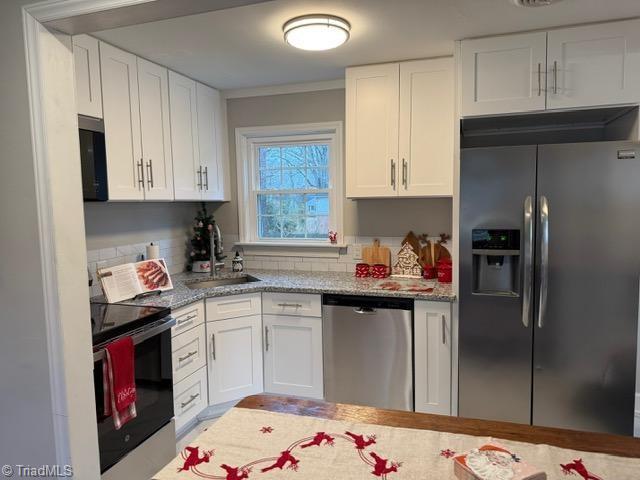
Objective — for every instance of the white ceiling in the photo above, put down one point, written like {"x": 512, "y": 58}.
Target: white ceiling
{"x": 243, "y": 47}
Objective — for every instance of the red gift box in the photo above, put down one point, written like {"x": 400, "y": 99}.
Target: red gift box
{"x": 445, "y": 271}
{"x": 362, "y": 270}
{"x": 380, "y": 270}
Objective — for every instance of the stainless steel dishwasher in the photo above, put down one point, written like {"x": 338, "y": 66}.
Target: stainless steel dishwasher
{"x": 368, "y": 351}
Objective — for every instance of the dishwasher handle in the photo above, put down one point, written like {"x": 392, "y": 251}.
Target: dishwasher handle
{"x": 365, "y": 310}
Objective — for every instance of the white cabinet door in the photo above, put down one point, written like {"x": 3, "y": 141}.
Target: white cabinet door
{"x": 426, "y": 127}
{"x": 594, "y": 65}
{"x": 86, "y": 59}
{"x": 504, "y": 74}
{"x": 187, "y": 174}
{"x": 209, "y": 141}
{"x": 432, "y": 327}
{"x": 153, "y": 86}
{"x": 235, "y": 358}
{"x": 293, "y": 356}
{"x": 372, "y": 130}
{"x": 121, "y": 108}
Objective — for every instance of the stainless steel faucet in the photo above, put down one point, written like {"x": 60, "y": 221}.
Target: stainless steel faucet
{"x": 217, "y": 249}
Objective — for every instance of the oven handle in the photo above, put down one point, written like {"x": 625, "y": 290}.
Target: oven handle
{"x": 140, "y": 337}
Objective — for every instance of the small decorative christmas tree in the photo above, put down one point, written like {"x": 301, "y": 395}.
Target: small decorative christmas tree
{"x": 201, "y": 240}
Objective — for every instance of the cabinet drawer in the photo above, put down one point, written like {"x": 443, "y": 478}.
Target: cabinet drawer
{"x": 299, "y": 304}
{"x": 190, "y": 397}
{"x": 188, "y": 353}
{"x": 233, "y": 306}
{"x": 188, "y": 317}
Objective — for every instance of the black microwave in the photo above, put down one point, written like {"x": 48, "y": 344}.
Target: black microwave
{"x": 93, "y": 159}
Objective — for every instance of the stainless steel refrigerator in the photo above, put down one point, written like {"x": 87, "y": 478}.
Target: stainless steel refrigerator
{"x": 549, "y": 290}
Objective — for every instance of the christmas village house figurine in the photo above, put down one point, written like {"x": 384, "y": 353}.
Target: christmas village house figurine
{"x": 407, "y": 264}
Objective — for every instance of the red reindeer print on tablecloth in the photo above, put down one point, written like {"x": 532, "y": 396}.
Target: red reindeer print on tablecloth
{"x": 284, "y": 458}
{"x": 235, "y": 473}
{"x": 318, "y": 439}
{"x": 266, "y": 430}
{"x": 192, "y": 459}
{"x": 381, "y": 467}
{"x": 359, "y": 440}
{"x": 577, "y": 467}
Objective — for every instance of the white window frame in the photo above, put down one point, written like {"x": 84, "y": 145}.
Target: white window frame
{"x": 247, "y": 141}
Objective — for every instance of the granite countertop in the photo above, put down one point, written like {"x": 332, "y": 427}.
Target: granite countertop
{"x": 296, "y": 282}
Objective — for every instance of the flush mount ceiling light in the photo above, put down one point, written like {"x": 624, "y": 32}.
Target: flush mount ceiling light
{"x": 316, "y": 32}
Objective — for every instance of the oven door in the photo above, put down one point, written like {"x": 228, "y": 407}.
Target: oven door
{"x": 154, "y": 404}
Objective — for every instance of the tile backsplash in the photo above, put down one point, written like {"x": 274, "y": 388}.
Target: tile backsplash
{"x": 173, "y": 250}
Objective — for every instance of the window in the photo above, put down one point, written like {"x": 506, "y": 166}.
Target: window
{"x": 289, "y": 183}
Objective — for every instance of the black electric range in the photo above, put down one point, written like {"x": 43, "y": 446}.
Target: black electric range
{"x": 150, "y": 330}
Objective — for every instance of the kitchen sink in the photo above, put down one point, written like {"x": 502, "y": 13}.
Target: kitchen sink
{"x": 220, "y": 282}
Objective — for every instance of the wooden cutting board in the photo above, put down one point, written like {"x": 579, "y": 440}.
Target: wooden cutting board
{"x": 376, "y": 253}
{"x": 440, "y": 252}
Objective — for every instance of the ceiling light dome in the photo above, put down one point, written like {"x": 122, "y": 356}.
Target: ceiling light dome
{"x": 316, "y": 32}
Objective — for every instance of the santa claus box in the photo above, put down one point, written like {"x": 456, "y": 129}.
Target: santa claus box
{"x": 494, "y": 462}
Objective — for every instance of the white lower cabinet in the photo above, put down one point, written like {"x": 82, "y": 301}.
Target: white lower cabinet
{"x": 189, "y": 398}
{"x": 432, "y": 355}
{"x": 235, "y": 358}
{"x": 293, "y": 355}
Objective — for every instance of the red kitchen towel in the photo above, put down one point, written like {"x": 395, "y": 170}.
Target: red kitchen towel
{"x": 119, "y": 381}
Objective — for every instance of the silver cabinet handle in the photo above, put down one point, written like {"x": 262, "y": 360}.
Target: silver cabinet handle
{"x": 528, "y": 261}
{"x": 200, "y": 178}
{"x": 294, "y": 305}
{"x": 393, "y": 174}
{"x": 187, "y": 356}
{"x": 266, "y": 339}
{"x": 140, "y": 167}
{"x": 539, "y": 79}
{"x": 444, "y": 329}
{"x": 555, "y": 77}
{"x": 191, "y": 399}
{"x": 182, "y": 321}
{"x": 544, "y": 259}
{"x": 213, "y": 345}
{"x": 150, "y": 173}
{"x": 404, "y": 173}
{"x": 206, "y": 178}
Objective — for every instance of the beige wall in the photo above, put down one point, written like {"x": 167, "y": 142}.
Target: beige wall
{"x": 385, "y": 217}
{"x": 27, "y": 434}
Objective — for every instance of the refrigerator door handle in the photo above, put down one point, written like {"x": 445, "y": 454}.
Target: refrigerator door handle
{"x": 527, "y": 283}
{"x": 544, "y": 259}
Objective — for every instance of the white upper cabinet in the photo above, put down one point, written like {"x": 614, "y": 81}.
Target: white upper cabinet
{"x": 187, "y": 172}
{"x": 400, "y": 129}
{"x": 86, "y": 59}
{"x": 426, "y": 127}
{"x": 372, "y": 96}
{"x": 210, "y": 141}
{"x": 121, "y": 108}
{"x": 504, "y": 74}
{"x": 594, "y": 65}
{"x": 153, "y": 84}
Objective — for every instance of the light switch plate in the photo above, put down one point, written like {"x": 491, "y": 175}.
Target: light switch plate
{"x": 356, "y": 251}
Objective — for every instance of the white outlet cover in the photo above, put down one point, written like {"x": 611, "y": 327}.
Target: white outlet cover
{"x": 356, "y": 251}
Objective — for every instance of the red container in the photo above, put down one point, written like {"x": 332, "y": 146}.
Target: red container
{"x": 430, "y": 272}
{"x": 379, "y": 270}
{"x": 445, "y": 271}
{"x": 362, "y": 270}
